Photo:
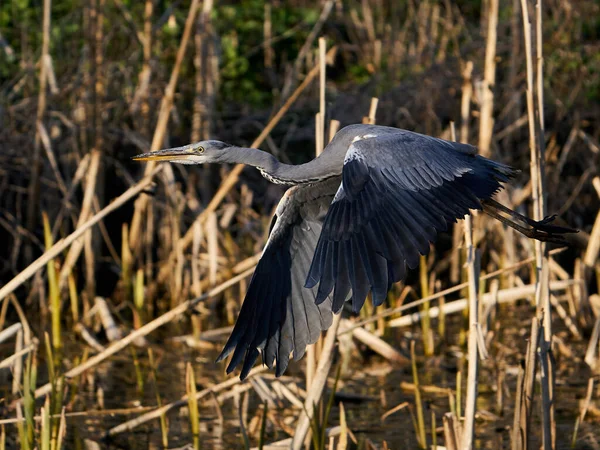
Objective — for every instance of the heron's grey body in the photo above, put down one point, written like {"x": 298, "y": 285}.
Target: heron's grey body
{"x": 354, "y": 219}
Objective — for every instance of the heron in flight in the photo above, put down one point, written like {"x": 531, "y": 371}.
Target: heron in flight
{"x": 354, "y": 220}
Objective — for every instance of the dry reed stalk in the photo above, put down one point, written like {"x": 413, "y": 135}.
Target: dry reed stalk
{"x": 18, "y": 362}
{"x": 88, "y": 338}
{"x": 538, "y": 195}
{"x": 322, "y": 79}
{"x": 547, "y": 381}
{"x": 486, "y": 121}
{"x": 198, "y": 236}
{"x": 10, "y": 331}
{"x": 87, "y": 413}
{"x": 287, "y": 394}
{"x": 86, "y": 211}
{"x": 591, "y": 353}
{"x": 143, "y": 331}
{"x": 334, "y": 126}
{"x": 45, "y": 139}
{"x": 311, "y": 351}
{"x": 112, "y": 331}
{"x": 593, "y": 247}
{"x": 564, "y": 315}
{"x": 311, "y": 365}
{"x": 395, "y": 409}
{"x": 161, "y": 126}
{"x": 372, "y": 111}
{"x": 61, "y": 245}
{"x": 90, "y": 271}
{"x": 27, "y": 335}
{"x": 465, "y": 106}
{"x": 451, "y": 431}
{"x": 80, "y": 172}
{"x": 3, "y": 311}
{"x": 473, "y": 270}
{"x": 318, "y": 384}
{"x": 375, "y": 343}
{"x": 517, "y": 438}
{"x": 503, "y": 296}
{"x": 583, "y": 411}
{"x": 525, "y": 403}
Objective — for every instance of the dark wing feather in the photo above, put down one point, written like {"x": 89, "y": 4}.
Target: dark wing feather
{"x": 398, "y": 191}
{"x": 279, "y": 315}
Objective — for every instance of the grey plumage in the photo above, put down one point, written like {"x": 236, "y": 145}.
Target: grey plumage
{"x": 355, "y": 220}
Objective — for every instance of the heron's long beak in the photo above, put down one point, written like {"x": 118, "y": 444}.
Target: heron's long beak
{"x": 169, "y": 154}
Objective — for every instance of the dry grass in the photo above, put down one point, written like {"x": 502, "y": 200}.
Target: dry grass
{"x": 191, "y": 239}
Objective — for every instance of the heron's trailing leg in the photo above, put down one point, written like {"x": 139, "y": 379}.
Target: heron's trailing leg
{"x": 542, "y": 230}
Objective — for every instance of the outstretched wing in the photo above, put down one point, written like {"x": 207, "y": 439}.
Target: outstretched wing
{"x": 279, "y": 315}
{"x": 397, "y": 192}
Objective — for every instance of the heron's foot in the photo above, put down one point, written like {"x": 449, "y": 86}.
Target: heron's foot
{"x": 542, "y": 230}
{"x": 545, "y": 236}
{"x": 545, "y": 225}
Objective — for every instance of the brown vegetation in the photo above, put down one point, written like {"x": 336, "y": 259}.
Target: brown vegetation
{"x": 99, "y": 253}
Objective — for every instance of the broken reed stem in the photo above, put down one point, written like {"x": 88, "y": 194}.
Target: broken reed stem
{"x": 473, "y": 357}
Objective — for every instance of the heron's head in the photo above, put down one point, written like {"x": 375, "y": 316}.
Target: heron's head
{"x": 197, "y": 153}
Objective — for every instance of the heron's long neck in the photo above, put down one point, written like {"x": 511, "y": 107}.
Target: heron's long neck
{"x": 316, "y": 170}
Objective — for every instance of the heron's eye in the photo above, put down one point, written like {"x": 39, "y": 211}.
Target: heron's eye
{"x": 199, "y": 149}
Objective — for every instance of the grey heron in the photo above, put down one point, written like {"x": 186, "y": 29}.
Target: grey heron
{"x": 354, "y": 220}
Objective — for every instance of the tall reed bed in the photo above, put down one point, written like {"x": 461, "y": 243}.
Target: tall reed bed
{"x": 189, "y": 239}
